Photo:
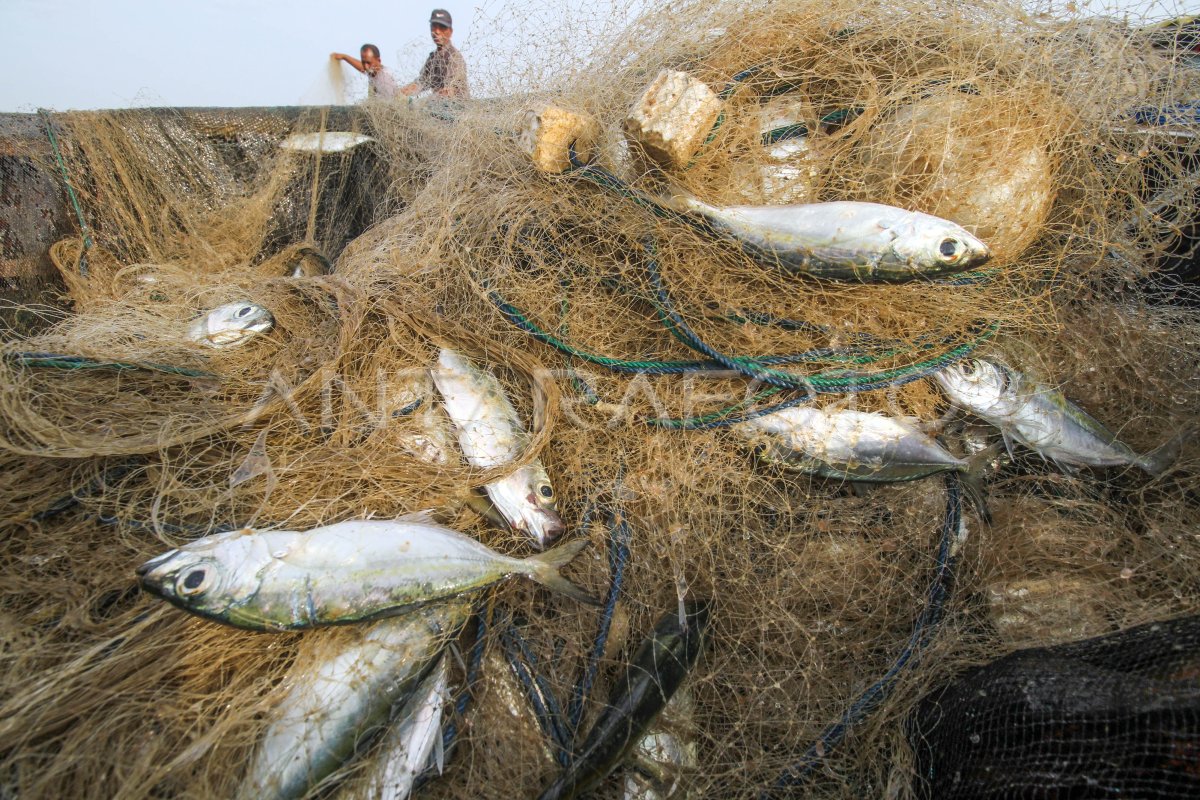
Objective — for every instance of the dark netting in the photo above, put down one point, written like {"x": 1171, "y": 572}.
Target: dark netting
{"x": 1114, "y": 716}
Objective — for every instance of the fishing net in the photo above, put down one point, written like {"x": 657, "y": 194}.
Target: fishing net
{"x": 629, "y": 342}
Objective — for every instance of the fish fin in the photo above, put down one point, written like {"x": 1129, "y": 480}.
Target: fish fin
{"x": 1008, "y": 445}
{"x": 426, "y": 516}
{"x": 1065, "y": 467}
{"x": 456, "y": 654}
{"x": 479, "y": 503}
{"x": 1159, "y": 460}
{"x": 439, "y": 753}
{"x": 859, "y": 488}
{"x": 972, "y": 477}
{"x": 544, "y": 568}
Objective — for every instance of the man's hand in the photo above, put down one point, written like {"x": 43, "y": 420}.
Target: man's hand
{"x": 351, "y": 60}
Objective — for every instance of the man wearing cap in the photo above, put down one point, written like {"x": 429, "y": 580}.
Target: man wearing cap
{"x": 445, "y": 71}
{"x": 380, "y": 82}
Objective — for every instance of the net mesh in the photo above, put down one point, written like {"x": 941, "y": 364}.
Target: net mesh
{"x": 581, "y": 302}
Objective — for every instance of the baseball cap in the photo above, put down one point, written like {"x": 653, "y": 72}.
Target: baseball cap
{"x": 441, "y": 16}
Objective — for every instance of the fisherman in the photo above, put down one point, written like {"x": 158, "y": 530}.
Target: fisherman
{"x": 445, "y": 71}
{"x": 380, "y": 82}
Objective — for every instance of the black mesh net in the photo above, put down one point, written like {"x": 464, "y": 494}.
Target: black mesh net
{"x": 1114, "y": 716}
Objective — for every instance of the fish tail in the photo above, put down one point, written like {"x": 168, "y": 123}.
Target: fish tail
{"x": 544, "y": 568}
{"x": 1161, "y": 458}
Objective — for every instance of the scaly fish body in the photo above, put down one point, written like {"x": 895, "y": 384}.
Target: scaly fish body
{"x": 324, "y": 142}
{"x": 661, "y": 756}
{"x": 345, "y": 572}
{"x": 503, "y": 688}
{"x": 231, "y": 325}
{"x": 1039, "y": 417}
{"x": 411, "y": 397}
{"x": 657, "y": 670}
{"x": 331, "y": 710}
{"x": 491, "y": 435}
{"x": 658, "y": 759}
{"x": 845, "y": 240}
{"x": 413, "y": 738}
{"x": 849, "y": 445}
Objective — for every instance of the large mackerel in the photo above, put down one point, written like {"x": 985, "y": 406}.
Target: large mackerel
{"x": 844, "y": 240}
{"x": 1042, "y": 418}
{"x": 346, "y": 572}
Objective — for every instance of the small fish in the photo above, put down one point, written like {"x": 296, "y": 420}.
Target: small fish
{"x": 324, "y": 142}
{"x": 657, "y": 761}
{"x": 231, "y": 325}
{"x": 845, "y": 240}
{"x": 490, "y": 435}
{"x": 431, "y": 442}
{"x": 663, "y": 754}
{"x": 657, "y": 670}
{"x": 504, "y": 689}
{"x": 307, "y": 262}
{"x": 332, "y": 710}
{"x": 414, "y": 738}
{"x": 848, "y": 445}
{"x": 858, "y": 446}
{"x": 346, "y": 572}
{"x": 1042, "y": 418}
{"x": 409, "y": 400}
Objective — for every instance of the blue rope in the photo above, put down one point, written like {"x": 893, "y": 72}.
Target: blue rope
{"x": 474, "y": 664}
{"x": 619, "y": 535}
{"x": 923, "y": 631}
{"x": 545, "y": 706}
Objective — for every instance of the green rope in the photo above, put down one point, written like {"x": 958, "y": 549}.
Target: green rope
{"x": 83, "y": 228}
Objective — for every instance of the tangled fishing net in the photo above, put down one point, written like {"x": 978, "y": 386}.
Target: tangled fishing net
{"x": 122, "y": 437}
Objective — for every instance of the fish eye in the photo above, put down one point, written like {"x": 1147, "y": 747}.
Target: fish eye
{"x": 546, "y": 491}
{"x": 244, "y": 311}
{"x": 968, "y": 367}
{"x": 950, "y": 247}
{"x": 194, "y": 581}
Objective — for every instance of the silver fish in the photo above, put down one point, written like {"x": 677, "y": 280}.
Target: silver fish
{"x": 504, "y": 689}
{"x": 845, "y": 240}
{"x": 491, "y": 435}
{"x": 324, "y": 142}
{"x": 331, "y": 710}
{"x": 346, "y": 572}
{"x": 848, "y": 445}
{"x": 431, "y": 442}
{"x": 411, "y": 397}
{"x": 862, "y": 447}
{"x": 663, "y": 755}
{"x": 1042, "y": 418}
{"x": 414, "y": 738}
{"x": 231, "y": 325}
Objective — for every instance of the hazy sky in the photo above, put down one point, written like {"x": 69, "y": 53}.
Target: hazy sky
{"x": 77, "y": 54}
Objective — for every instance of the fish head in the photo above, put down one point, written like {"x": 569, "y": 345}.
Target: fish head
{"x": 231, "y": 325}
{"x": 977, "y": 384}
{"x": 207, "y": 577}
{"x": 939, "y": 246}
{"x": 527, "y": 500}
